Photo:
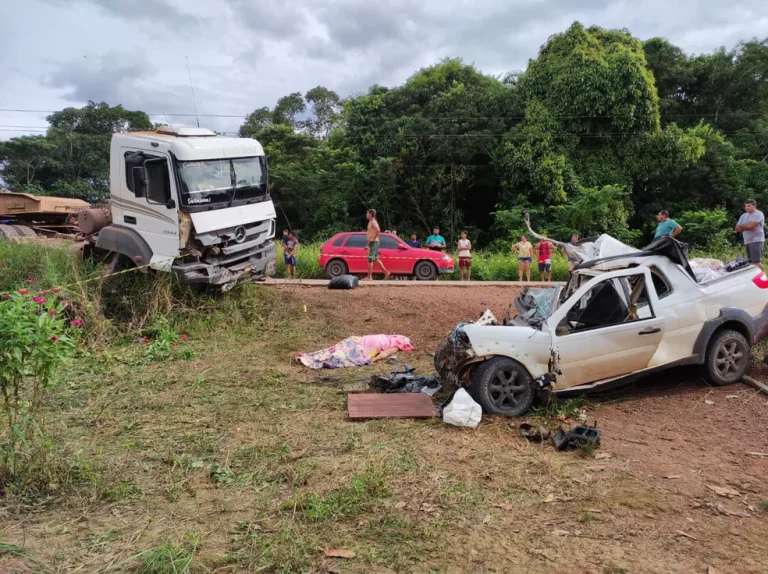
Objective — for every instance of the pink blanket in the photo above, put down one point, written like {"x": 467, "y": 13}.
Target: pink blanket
{"x": 354, "y": 351}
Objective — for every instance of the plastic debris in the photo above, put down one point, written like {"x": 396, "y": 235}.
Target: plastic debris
{"x": 462, "y": 411}
{"x": 344, "y": 282}
{"x": 405, "y": 381}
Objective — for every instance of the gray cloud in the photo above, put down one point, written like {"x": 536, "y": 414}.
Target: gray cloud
{"x": 158, "y": 11}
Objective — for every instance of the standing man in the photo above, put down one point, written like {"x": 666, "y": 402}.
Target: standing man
{"x": 373, "y": 245}
{"x": 436, "y": 241}
{"x": 289, "y": 255}
{"x": 572, "y": 259}
{"x": 524, "y": 251}
{"x": 751, "y": 225}
{"x": 414, "y": 242}
{"x": 544, "y": 251}
{"x": 464, "y": 247}
{"x": 666, "y": 225}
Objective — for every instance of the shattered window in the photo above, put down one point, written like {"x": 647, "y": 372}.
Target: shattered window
{"x": 610, "y": 302}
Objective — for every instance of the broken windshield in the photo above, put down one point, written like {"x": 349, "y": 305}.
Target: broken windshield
{"x": 211, "y": 181}
{"x": 535, "y": 305}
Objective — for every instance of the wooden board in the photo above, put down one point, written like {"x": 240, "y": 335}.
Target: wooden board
{"x": 363, "y": 406}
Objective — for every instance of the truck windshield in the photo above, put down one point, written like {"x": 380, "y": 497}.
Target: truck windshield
{"x": 211, "y": 181}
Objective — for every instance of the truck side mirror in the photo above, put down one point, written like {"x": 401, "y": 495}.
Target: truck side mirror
{"x": 140, "y": 181}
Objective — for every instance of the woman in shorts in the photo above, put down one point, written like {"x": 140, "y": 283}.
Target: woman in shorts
{"x": 464, "y": 247}
{"x": 524, "y": 251}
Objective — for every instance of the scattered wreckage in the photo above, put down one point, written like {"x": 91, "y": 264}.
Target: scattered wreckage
{"x": 624, "y": 313}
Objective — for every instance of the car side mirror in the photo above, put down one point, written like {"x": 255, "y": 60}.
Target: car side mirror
{"x": 140, "y": 181}
{"x": 170, "y": 204}
{"x": 401, "y": 246}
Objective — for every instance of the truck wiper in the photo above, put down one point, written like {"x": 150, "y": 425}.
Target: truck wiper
{"x": 233, "y": 180}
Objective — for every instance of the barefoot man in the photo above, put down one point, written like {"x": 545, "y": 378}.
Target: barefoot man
{"x": 373, "y": 245}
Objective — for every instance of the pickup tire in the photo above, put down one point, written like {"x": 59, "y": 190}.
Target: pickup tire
{"x": 336, "y": 268}
{"x": 727, "y": 358}
{"x": 502, "y": 387}
{"x": 425, "y": 271}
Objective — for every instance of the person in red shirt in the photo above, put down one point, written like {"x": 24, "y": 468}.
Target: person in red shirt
{"x": 544, "y": 250}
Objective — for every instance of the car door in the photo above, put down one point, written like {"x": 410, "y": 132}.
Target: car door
{"x": 610, "y": 327}
{"x": 354, "y": 254}
{"x": 394, "y": 258}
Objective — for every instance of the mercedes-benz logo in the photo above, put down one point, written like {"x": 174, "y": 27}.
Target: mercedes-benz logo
{"x": 239, "y": 234}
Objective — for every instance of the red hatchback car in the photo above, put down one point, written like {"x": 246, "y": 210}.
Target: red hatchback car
{"x": 345, "y": 253}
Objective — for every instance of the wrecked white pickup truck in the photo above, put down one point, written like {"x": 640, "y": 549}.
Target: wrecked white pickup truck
{"x": 624, "y": 313}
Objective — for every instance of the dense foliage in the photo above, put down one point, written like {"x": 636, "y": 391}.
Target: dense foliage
{"x": 598, "y": 134}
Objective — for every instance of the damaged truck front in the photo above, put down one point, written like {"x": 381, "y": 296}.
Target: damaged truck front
{"x": 189, "y": 201}
{"x": 625, "y": 314}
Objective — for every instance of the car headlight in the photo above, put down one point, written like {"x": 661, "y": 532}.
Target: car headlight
{"x": 447, "y": 258}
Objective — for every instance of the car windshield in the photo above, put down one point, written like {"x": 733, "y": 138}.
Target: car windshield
{"x": 210, "y": 181}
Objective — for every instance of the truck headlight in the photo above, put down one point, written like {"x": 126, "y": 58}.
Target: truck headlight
{"x": 447, "y": 258}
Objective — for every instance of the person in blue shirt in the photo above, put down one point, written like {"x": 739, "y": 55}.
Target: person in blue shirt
{"x": 436, "y": 241}
{"x": 666, "y": 225}
{"x": 415, "y": 243}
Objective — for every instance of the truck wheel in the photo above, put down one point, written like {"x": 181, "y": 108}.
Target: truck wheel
{"x": 727, "y": 358}
{"x": 24, "y": 231}
{"x": 425, "y": 271}
{"x": 502, "y": 387}
{"x": 336, "y": 268}
{"x": 8, "y": 231}
{"x": 119, "y": 262}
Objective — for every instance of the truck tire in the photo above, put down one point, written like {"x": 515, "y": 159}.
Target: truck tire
{"x": 727, "y": 358}
{"x": 336, "y": 268}
{"x": 8, "y": 231}
{"x": 502, "y": 387}
{"x": 425, "y": 271}
{"x": 24, "y": 231}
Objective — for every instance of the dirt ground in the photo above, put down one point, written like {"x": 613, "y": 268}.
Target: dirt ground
{"x": 669, "y": 438}
{"x": 251, "y": 457}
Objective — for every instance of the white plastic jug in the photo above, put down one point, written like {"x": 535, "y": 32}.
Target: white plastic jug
{"x": 462, "y": 411}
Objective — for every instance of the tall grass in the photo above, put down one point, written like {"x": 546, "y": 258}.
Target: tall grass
{"x": 48, "y": 266}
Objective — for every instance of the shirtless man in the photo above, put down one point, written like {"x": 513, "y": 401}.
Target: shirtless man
{"x": 373, "y": 245}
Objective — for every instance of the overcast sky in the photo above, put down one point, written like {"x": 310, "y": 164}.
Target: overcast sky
{"x": 244, "y": 54}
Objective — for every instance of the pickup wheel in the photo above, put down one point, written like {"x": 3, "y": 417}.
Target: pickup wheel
{"x": 727, "y": 358}
{"x": 502, "y": 387}
{"x": 425, "y": 271}
{"x": 336, "y": 268}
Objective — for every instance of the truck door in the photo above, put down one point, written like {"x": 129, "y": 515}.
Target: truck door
{"x": 610, "y": 327}
{"x": 150, "y": 205}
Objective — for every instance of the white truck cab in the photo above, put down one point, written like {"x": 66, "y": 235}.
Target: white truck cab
{"x": 192, "y": 202}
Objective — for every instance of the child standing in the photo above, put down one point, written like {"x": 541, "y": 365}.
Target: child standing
{"x": 289, "y": 255}
{"x": 464, "y": 246}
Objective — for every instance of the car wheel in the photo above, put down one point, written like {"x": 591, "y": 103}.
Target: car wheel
{"x": 425, "y": 271}
{"x": 336, "y": 268}
{"x": 727, "y": 358}
{"x": 502, "y": 387}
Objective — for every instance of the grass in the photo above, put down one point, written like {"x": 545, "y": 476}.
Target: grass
{"x": 237, "y": 444}
{"x": 363, "y": 493}
{"x": 167, "y": 558}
